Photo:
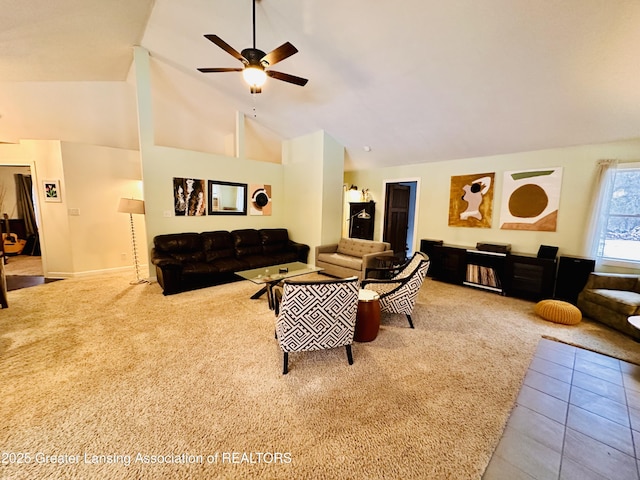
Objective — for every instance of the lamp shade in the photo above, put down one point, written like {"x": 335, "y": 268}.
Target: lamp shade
{"x": 254, "y": 76}
{"x": 130, "y": 205}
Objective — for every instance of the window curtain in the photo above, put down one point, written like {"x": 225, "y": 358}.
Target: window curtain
{"x": 24, "y": 200}
{"x": 603, "y": 189}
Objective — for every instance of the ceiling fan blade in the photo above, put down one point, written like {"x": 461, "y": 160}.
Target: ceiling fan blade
{"x": 226, "y": 47}
{"x": 213, "y": 70}
{"x": 285, "y": 77}
{"x": 283, "y": 51}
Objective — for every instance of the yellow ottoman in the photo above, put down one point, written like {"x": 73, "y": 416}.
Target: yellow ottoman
{"x": 558, "y": 311}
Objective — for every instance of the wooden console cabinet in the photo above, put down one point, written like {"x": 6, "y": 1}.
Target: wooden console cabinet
{"x": 530, "y": 277}
{"x": 513, "y": 274}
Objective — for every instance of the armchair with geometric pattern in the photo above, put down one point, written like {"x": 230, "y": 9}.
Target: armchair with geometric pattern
{"x": 398, "y": 294}
{"x": 315, "y": 315}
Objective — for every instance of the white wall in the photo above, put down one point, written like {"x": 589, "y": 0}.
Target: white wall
{"x": 92, "y": 180}
{"x": 95, "y": 179}
{"x": 313, "y": 170}
{"x": 577, "y": 186}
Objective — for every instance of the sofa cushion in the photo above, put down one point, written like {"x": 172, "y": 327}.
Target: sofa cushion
{"x": 247, "y": 242}
{"x": 229, "y": 265}
{"x": 178, "y": 243}
{"x": 355, "y": 247}
{"x": 218, "y": 245}
{"x": 347, "y": 261}
{"x": 274, "y": 240}
{"x": 627, "y": 303}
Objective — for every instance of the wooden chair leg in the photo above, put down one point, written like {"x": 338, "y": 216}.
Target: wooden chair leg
{"x": 285, "y": 363}
{"x": 410, "y": 322}
{"x": 349, "y": 354}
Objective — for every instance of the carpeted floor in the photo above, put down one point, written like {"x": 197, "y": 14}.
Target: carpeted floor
{"x": 132, "y": 384}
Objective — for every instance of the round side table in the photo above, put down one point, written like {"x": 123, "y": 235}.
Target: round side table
{"x": 634, "y": 321}
{"x": 368, "y": 316}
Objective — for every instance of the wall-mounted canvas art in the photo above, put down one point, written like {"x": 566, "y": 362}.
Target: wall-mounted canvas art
{"x": 530, "y": 199}
{"x": 471, "y": 200}
{"x": 260, "y": 199}
{"x": 189, "y": 197}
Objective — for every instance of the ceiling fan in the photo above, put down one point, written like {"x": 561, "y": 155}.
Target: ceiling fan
{"x": 256, "y": 62}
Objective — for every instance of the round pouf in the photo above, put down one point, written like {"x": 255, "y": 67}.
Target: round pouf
{"x": 558, "y": 311}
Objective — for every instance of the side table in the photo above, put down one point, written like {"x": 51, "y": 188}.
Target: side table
{"x": 634, "y": 321}
{"x": 368, "y": 316}
{"x": 386, "y": 266}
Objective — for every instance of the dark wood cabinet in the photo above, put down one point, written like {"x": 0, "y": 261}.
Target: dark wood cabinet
{"x": 427, "y": 246}
{"x": 573, "y": 273}
{"x": 362, "y": 220}
{"x": 530, "y": 277}
{"x": 448, "y": 263}
{"x": 513, "y": 274}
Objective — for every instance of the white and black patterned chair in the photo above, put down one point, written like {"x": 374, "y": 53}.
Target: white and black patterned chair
{"x": 316, "y": 315}
{"x": 398, "y": 294}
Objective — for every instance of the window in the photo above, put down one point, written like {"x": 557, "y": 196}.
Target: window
{"x": 617, "y": 239}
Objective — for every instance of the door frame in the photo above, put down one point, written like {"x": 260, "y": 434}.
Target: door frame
{"x": 412, "y": 242}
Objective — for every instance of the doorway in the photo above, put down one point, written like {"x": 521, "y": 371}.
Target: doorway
{"x": 400, "y": 208}
{"x": 19, "y": 223}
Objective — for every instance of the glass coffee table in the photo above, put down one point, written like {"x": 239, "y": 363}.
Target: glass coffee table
{"x": 274, "y": 274}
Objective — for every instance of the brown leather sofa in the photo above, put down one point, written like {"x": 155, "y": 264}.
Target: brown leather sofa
{"x": 186, "y": 261}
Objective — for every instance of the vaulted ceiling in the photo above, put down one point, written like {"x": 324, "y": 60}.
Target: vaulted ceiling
{"x": 415, "y": 81}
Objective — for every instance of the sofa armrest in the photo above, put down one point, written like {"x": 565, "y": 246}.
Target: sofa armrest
{"x": 612, "y": 281}
{"x": 329, "y": 248}
{"x": 302, "y": 250}
{"x": 161, "y": 260}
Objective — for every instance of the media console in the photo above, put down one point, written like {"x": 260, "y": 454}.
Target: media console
{"x": 513, "y": 274}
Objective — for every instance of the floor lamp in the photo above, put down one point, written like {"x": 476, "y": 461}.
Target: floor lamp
{"x": 131, "y": 206}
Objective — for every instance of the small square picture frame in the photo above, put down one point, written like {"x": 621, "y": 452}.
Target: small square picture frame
{"x": 51, "y": 191}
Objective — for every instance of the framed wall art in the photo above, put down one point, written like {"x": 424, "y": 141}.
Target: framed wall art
{"x": 51, "y": 190}
{"x": 260, "y": 199}
{"x": 189, "y": 197}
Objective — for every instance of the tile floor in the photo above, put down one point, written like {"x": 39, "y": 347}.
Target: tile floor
{"x": 577, "y": 417}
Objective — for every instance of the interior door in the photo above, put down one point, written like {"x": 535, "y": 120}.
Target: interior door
{"x": 396, "y": 217}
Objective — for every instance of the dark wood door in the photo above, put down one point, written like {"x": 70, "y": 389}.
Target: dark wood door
{"x": 396, "y": 217}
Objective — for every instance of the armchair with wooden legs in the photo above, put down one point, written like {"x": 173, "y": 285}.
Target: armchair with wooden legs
{"x": 398, "y": 294}
{"x": 315, "y": 315}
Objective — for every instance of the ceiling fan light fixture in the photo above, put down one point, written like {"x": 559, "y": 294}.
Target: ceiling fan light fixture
{"x": 254, "y": 76}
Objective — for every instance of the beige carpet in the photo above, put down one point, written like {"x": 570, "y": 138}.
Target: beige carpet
{"x": 99, "y": 371}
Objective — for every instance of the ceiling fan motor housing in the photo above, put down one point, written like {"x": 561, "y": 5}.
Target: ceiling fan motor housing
{"x": 254, "y": 57}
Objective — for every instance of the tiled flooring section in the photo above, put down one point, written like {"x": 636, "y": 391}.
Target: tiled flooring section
{"x": 576, "y": 417}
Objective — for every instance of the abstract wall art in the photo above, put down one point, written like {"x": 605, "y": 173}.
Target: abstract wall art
{"x": 471, "y": 200}
{"x": 189, "y": 197}
{"x": 530, "y": 199}
{"x": 260, "y": 199}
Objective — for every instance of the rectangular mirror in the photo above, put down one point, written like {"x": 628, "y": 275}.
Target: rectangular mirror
{"x": 227, "y": 198}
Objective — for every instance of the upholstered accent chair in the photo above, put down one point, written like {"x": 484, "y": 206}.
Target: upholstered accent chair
{"x": 315, "y": 315}
{"x": 398, "y": 294}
